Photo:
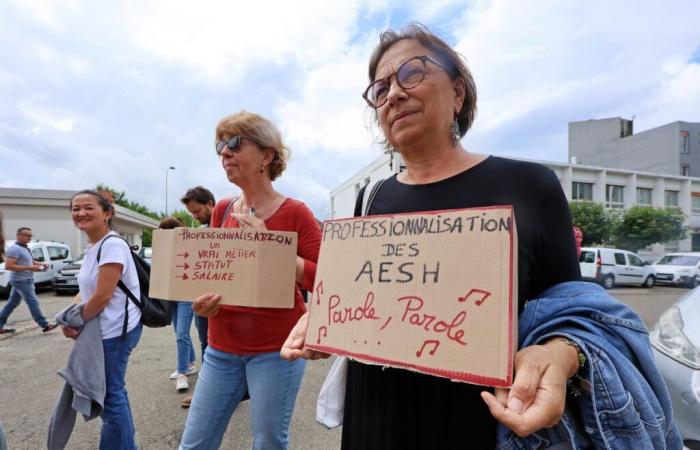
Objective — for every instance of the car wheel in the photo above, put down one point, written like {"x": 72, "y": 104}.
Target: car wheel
{"x": 608, "y": 282}
{"x": 649, "y": 282}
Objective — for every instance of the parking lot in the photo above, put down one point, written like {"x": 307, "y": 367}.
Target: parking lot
{"x": 29, "y": 360}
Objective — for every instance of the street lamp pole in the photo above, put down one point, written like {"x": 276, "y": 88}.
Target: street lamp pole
{"x": 166, "y": 187}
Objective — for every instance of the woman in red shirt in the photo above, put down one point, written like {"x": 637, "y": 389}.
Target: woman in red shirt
{"x": 245, "y": 342}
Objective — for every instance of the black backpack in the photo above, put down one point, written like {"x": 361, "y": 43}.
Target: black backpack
{"x": 154, "y": 313}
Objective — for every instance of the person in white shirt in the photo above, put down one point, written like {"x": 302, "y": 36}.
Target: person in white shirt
{"x": 92, "y": 213}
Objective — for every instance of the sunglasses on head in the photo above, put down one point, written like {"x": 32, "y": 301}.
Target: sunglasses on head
{"x": 233, "y": 144}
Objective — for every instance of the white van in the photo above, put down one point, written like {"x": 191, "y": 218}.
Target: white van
{"x": 611, "y": 266}
{"x": 681, "y": 269}
{"x": 55, "y": 254}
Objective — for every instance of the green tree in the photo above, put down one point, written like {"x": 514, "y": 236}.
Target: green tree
{"x": 119, "y": 197}
{"x": 190, "y": 222}
{"x": 642, "y": 226}
{"x": 596, "y": 224}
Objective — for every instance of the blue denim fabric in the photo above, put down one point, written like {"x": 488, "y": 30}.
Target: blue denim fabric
{"x": 117, "y": 424}
{"x": 23, "y": 289}
{"x": 273, "y": 384}
{"x": 182, "y": 321}
{"x": 623, "y": 402}
{"x": 202, "y": 325}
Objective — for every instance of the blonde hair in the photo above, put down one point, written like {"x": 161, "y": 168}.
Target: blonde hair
{"x": 259, "y": 130}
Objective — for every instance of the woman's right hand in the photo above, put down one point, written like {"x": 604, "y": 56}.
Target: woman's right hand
{"x": 207, "y": 305}
{"x": 70, "y": 332}
{"x": 293, "y": 347}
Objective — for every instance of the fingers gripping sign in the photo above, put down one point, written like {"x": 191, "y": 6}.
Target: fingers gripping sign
{"x": 207, "y": 305}
{"x": 293, "y": 347}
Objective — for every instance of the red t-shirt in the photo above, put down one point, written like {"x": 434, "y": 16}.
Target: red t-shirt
{"x": 247, "y": 330}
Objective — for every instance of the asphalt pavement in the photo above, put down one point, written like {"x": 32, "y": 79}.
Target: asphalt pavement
{"x": 29, "y": 361}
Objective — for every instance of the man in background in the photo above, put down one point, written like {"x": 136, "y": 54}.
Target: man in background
{"x": 21, "y": 264}
{"x": 200, "y": 202}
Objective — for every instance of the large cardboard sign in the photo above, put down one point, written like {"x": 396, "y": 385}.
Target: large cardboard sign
{"x": 247, "y": 267}
{"x": 434, "y": 292}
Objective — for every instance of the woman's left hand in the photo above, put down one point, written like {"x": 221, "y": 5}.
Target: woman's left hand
{"x": 248, "y": 221}
{"x": 537, "y": 397}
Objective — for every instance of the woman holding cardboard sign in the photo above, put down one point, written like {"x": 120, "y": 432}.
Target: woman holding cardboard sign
{"x": 244, "y": 342}
{"x": 424, "y": 101}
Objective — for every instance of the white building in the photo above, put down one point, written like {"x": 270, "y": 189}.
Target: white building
{"x": 616, "y": 188}
{"x": 47, "y": 213}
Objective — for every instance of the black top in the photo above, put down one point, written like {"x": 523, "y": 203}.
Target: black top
{"x": 392, "y": 409}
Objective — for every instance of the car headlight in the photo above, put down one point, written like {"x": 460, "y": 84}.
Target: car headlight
{"x": 668, "y": 338}
{"x": 683, "y": 273}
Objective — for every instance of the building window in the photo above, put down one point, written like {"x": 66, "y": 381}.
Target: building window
{"x": 685, "y": 170}
{"x": 581, "y": 191}
{"x": 685, "y": 142}
{"x": 644, "y": 196}
{"x": 695, "y": 203}
{"x": 614, "y": 196}
{"x": 671, "y": 198}
{"x": 695, "y": 242}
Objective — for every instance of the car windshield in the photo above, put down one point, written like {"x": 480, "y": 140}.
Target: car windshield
{"x": 679, "y": 260}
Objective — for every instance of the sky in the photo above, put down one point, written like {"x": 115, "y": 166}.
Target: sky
{"x": 116, "y": 92}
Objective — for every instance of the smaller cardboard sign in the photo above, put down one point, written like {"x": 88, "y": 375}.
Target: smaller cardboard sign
{"x": 247, "y": 267}
{"x": 434, "y": 292}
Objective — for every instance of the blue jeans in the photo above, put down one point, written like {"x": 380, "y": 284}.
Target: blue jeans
{"x": 182, "y": 321}
{"x": 23, "y": 289}
{"x": 273, "y": 384}
{"x": 117, "y": 424}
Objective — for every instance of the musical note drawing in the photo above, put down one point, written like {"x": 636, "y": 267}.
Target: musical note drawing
{"x": 322, "y": 332}
{"x": 434, "y": 342}
{"x": 478, "y": 295}
{"x": 319, "y": 291}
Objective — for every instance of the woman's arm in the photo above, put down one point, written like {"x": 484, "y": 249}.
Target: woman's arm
{"x": 107, "y": 278}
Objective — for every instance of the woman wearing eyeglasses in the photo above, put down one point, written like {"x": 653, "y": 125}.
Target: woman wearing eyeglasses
{"x": 424, "y": 101}
{"x": 244, "y": 343}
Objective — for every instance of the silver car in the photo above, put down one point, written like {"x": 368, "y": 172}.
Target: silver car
{"x": 676, "y": 343}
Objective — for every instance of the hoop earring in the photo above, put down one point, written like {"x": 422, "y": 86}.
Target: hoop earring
{"x": 454, "y": 131}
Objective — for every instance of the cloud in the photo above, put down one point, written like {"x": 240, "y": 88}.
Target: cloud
{"x": 116, "y": 93}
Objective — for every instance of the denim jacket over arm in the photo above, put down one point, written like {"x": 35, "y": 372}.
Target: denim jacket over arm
{"x": 619, "y": 399}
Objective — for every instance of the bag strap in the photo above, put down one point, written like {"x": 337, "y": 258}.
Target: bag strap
{"x": 227, "y": 211}
{"x": 369, "y": 195}
{"x": 130, "y": 295}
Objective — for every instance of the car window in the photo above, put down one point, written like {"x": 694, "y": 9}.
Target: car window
{"x": 38, "y": 254}
{"x": 58, "y": 253}
{"x": 620, "y": 259}
{"x": 587, "y": 257}
{"x": 679, "y": 260}
{"x": 635, "y": 261}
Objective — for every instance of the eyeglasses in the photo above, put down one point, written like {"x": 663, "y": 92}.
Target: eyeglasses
{"x": 409, "y": 75}
{"x": 26, "y": 235}
{"x": 233, "y": 144}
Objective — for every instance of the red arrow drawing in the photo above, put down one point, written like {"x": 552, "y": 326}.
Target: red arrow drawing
{"x": 184, "y": 276}
{"x": 184, "y": 266}
{"x": 183, "y": 254}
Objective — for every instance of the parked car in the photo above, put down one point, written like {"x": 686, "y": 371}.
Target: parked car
{"x": 675, "y": 340}
{"x": 679, "y": 269}
{"x": 67, "y": 280}
{"x": 610, "y": 266}
{"x": 55, "y": 254}
{"x": 146, "y": 253}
